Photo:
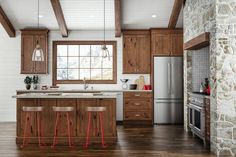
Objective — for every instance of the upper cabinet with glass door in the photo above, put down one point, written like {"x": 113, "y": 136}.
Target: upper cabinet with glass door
{"x": 76, "y": 61}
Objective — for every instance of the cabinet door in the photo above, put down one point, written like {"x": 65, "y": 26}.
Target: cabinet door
{"x": 48, "y": 116}
{"x": 161, "y": 44}
{"x": 130, "y": 49}
{"x": 109, "y": 117}
{"x": 177, "y": 44}
{"x": 41, "y": 67}
{"x": 82, "y": 118}
{"x": 62, "y": 132}
{"x": 144, "y": 55}
{"x": 27, "y": 47}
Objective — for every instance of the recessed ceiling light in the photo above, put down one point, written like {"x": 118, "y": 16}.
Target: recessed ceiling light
{"x": 40, "y": 16}
{"x": 154, "y": 16}
{"x": 91, "y": 16}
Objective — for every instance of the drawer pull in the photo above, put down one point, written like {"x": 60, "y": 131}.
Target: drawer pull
{"x": 137, "y": 104}
{"x": 137, "y": 95}
{"x": 137, "y": 115}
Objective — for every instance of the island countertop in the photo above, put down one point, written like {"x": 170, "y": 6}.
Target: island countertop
{"x": 65, "y": 95}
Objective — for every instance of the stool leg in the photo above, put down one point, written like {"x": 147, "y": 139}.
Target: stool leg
{"x": 38, "y": 126}
{"x": 68, "y": 129}
{"x": 55, "y": 130}
{"x": 102, "y": 130}
{"x": 88, "y": 130}
{"x": 25, "y": 128}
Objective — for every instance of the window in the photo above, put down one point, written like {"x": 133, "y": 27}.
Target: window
{"x": 75, "y": 60}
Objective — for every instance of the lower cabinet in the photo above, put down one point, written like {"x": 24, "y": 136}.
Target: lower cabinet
{"x": 138, "y": 107}
{"x": 79, "y": 118}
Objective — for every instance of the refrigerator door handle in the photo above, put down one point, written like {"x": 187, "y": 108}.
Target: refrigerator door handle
{"x": 168, "y": 72}
{"x": 171, "y": 84}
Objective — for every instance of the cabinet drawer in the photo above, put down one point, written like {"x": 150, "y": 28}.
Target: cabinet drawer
{"x": 136, "y": 95}
{"x": 138, "y": 104}
{"x": 137, "y": 115}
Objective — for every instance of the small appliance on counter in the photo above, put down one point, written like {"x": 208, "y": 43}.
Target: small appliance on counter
{"x": 133, "y": 86}
{"x": 124, "y": 83}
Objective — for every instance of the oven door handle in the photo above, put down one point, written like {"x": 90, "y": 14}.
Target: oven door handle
{"x": 195, "y": 107}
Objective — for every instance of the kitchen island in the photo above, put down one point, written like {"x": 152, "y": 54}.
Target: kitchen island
{"x": 79, "y": 116}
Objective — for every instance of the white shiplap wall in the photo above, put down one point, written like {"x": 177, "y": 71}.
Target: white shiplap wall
{"x": 11, "y": 79}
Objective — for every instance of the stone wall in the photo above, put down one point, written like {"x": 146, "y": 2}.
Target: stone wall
{"x": 199, "y": 17}
{"x": 219, "y": 18}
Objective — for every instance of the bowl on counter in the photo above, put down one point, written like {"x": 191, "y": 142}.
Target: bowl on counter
{"x": 133, "y": 86}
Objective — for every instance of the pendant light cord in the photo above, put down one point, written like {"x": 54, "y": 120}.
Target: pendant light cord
{"x": 104, "y": 35}
{"x": 38, "y": 14}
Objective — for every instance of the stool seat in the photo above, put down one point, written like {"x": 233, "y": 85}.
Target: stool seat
{"x": 32, "y": 109}
{"x": 62, "y": 109}
{"x": 96, "y": 109}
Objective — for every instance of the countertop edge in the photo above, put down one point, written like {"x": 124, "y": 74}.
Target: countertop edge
{"x": 74, "y": 91}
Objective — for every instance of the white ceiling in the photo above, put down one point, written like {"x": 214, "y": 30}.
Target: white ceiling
{"x": 88, "y": 14}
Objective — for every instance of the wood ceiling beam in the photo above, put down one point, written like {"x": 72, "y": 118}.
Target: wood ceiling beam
{"x": 60, "y": 17}
{"x": 7, "y": 24}
{"x": 117, "y": 18}
{"x": 175, "y": 13}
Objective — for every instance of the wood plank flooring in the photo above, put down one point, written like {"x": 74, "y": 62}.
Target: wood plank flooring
{"x": 157, "y": 141}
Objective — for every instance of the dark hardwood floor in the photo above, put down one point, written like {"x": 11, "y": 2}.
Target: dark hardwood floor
{"x": 157, "y": 141}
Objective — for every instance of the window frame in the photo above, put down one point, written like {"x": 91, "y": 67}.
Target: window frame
{"x": 67, "y": 42}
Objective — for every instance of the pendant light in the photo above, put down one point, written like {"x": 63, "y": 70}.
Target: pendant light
{"x": 104, "y": 49}
{"x": 38, "y": 51}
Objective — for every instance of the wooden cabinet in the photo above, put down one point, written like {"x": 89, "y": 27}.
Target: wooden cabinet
{"x": 167, "y": 42}
{"x": 136, "y": 52}
{"x": 138, "y": 107}
{"x": 29, "y": 38}
{"x": 79, "y": 119}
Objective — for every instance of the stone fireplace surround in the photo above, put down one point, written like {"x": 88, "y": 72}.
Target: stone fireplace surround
{"x": 219, "y": 18}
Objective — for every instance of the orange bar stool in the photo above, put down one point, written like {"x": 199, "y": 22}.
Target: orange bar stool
{"x": 59, "y": 111}
{"x": 32, "y": 113}
{"x": 96, "y": 110}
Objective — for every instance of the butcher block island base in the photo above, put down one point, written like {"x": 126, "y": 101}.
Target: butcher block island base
{"x": 79, "y": 118}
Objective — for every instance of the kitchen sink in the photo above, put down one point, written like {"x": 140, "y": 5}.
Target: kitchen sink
{"x": 82, "y": 94}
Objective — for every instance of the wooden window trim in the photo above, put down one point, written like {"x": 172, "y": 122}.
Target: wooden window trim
{"x": 54, "y": 62}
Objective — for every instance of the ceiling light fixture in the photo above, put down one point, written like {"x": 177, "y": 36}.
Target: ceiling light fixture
{"x": 154, "y": 16}
{"x": 104, "y": 49}
{"x": 38, "y": 55}
{"x": 91, "y": 16}
{"x": 40, "y": 16}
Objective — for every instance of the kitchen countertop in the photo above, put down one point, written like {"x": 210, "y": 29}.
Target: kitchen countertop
{"x": 64, "y": 95}
{"x": 78, "y": 90}
{"x": 201, "y": 94}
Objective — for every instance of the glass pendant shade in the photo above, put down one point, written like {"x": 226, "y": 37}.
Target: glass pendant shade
{"x": 105, "y": 52}
{"x": 38, "y": 54}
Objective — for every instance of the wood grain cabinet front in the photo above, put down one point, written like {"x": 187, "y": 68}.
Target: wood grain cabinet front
{"x": 29, "y": 39}
{"x": 136, "y": 52}
{"x": 138, "y": 107}
{"x": 167, "y": 42}
{"x": 78, "y": 118}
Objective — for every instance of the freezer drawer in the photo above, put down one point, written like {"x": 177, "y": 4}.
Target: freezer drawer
{"x": 168, "y": 112}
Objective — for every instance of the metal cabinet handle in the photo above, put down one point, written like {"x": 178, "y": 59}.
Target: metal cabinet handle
{"x": 168, "y": 72}
{"x": 137, "y": 104}
{"x": 137, "y": 115}
{"x": 137, "y": 95}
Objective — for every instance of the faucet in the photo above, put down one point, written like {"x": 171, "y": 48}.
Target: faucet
{"x": 85, "y": 84}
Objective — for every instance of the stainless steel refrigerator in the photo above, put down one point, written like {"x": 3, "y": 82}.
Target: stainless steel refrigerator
{"x": 168, "y": 90}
